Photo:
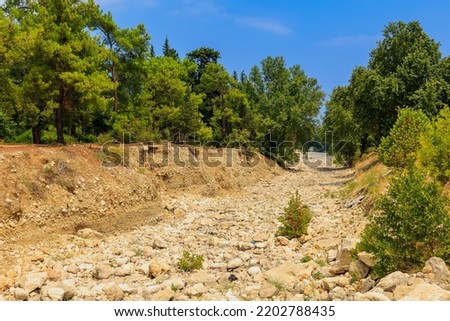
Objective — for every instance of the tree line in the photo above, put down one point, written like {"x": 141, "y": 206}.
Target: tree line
{"x": 405, "y": 70}
{"x": 69, "y": 73}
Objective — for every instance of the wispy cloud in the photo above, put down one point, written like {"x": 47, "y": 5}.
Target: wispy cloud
{"x": 264, "y": 24}
{"x": 352, "y": 40}
{"x": 190, "y": 8}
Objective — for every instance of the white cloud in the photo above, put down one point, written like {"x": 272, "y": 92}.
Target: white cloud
{"x": 264, "y": 24}
{"x": 352, "y": 40}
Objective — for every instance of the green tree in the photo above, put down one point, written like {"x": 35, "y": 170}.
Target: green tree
{"x": 340, "y": 122}
{"x": 402, "y": 144}
{"x": 65, "y": 75}
{"x": 411, "y": 225}
{"x": 403, "y": 71}
{"x": 168, "y": 51}
{"x": 285, "y": 102}
{"x": 434, "y": 153}
{"x": 202, "y": 56}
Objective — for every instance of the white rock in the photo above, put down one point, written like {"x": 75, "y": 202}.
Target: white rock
{"x": 177, "y": 283}
{"x": 20, "y": 294}
{"x": 234, "y": 264}
{"x": 152, "y": 289}
{"x": 367, "y": 258}
{"x": 56, "y": 294}
{"x": 103, "y": 272}
{"x": 35, "y": 281}
{"x": 164, "y": 295}
{"x": 230, "y": 296}
{"x": 159, "y": 243}
{"x": 371, "y": 296}
{"x": 89, "y": 233}
{"x": 125, "y": 270}
{"x": 427, "y": 292}
{"x": 254, "y": 270}
{"x": 389, "y": 282}
{"x": 196, "y": 289}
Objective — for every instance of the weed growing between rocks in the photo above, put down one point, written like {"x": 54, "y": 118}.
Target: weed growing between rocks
{"x": 190, "y": 262}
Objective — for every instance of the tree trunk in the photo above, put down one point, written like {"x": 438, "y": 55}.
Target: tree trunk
{"x": 224, "y": 127}
{"x": 58, "y": 115}
{"x": 59, "y": 125}
{"x": 116, "y": 88}
{"x": 36, "y": 130}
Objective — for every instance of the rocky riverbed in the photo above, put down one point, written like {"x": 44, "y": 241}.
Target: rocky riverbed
{"x": 243, "y": 257}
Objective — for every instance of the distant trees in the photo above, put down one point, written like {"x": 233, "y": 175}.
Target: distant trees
{"x": 405, "y": 70}
{"x": 70, "y": 73}
{"x": 283, "y": 102}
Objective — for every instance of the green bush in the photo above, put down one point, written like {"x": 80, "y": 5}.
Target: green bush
{"x": 190, "y": 262}
{"x": 435, "y": 147}
{"x": 411, "y": 225}
{"x": 404, "y": 138}
{"x": 295, "y": 218}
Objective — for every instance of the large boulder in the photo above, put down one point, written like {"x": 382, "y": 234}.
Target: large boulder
{"x": 441, "y": 272}
{"x": 427, "y": 292}
{"x": 391, "y": 281}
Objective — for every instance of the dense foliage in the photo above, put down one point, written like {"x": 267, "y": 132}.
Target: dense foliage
{"x": 68, "y": 73}
{"x": 402, "y": 144}
{"x": 412, "y": 224}
{"x": 405, "y": 70}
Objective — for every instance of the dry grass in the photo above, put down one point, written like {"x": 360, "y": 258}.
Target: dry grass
{"x": 371, "y": 179}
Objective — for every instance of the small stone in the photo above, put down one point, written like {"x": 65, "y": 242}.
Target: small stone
{"x": 56, "y": 294}
{"x": 365, "y": 285}
{"x": 232, "y": 278}
{"x": 331, "y": 255}
{"x": 20, "y": 294}
{"x": 245, "y": 246}
{"x": 196, "y": 289}
{"x": 126, "y": 288}
{"x": 89, "y": 233}
{"x": 371, "y": 296}
{"x": 389, "y": 282}
{"x": 150, "y": 290}
{"x": 35, "y": 281}
{"x": 358, "y": 270}
{"x": 103, "y": 272}
{"x": 125, "y": 270}
{"x": 254, "y": 270}
{"x": 164, "y": 295}
{"x": 202, "y": 277}
{"x": 338, "y": 294}
{"x": 230, "y": 296}
{"x": 283, "y": 241}
{"x": 73, "y": 268}
{"x": 176, "y": 283}
{"x": 159, "y": 243}
{"x": 234, "y": 264}
{"x": 155, "y": 269}
{"x": 113, "y": 292}
{"x": 344, "y": 256}
{"x": 367, "y": 258}
{"x": 327, "y": 243}
{"x": 267, "y": 291}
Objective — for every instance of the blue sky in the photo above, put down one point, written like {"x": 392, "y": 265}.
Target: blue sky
{"x": 327, "y": 38}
